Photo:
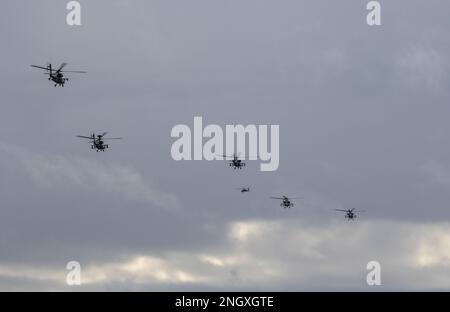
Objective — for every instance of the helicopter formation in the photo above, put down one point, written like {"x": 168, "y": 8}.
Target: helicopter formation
{"x": 98, "y": 141}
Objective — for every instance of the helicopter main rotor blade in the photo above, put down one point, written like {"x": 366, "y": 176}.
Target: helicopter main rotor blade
{"x": 73, "y": 71}
{"x": 276, "y": 197}
{"x": 40, "y": 67}
{"x": 61, "y": 67}
{"x": 341, "y": 210}
{"x": 246, "y": 157}
{"x": 84, "y": 137}
{"x": 112, "y": 138}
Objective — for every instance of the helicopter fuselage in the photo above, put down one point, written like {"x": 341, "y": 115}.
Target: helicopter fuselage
{"x": 99, "y": 145}
{"x": 58, "y": 79}
{"x": 237, "y": 163}
{"x": 286, "y": 203}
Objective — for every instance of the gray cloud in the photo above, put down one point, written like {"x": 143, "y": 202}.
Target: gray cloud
{"x": 277, "y": 255}
{"x": 56, "y": 171}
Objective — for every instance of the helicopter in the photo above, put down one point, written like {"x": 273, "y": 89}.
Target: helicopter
{"x": 98, "y": 141}
{"x": 244, "y": 189}
{"x": 236, "y": 163}
{"x": 57, "y": 76}
{"x": 350, "y": 214}
{"x": 286, "y": 201}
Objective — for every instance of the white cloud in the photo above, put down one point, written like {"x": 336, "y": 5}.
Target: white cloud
{"x": 140, "y": 269}
{"x": 422, "y": 65}
{"x": 283, "y": 254}
{"x": 433, "y": 247}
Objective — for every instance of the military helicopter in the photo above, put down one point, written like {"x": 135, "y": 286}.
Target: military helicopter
{"x": 244, "y": 189}
{"x": 286, "y": 202}
{"x": 57, "y": 76}
{"x": 97, "y": 142}
{"x": 236, "y": 163}
{"x": 350, "y": 214}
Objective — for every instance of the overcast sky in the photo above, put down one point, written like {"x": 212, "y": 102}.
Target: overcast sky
{"x": 363, "y": 114}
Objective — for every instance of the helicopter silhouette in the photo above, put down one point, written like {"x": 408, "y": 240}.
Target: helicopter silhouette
{"x": 235, "y": 162}
{"x": 350, "y": 214}
{"x": 286, "y": 202}
{"x": 98, "y": 142}
{"x": 57, "y": 76}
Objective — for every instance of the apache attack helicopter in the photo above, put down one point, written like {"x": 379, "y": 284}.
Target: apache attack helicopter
{"x": 350, "y": 214}
{"x": 286, "y": 202}
{"x": 244, "y": 189}
{"x": 57, "y": 76}
{"x": 98, "y": 142}
{"x": 236, "y": 163}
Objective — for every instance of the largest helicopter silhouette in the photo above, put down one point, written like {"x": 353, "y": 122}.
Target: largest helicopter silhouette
{"x": 57, "y": 76}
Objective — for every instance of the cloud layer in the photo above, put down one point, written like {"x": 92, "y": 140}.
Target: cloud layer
{"x": 54, "y": 172}
{"x": 274, "y": 256}
{"x": 363, "y": 114}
